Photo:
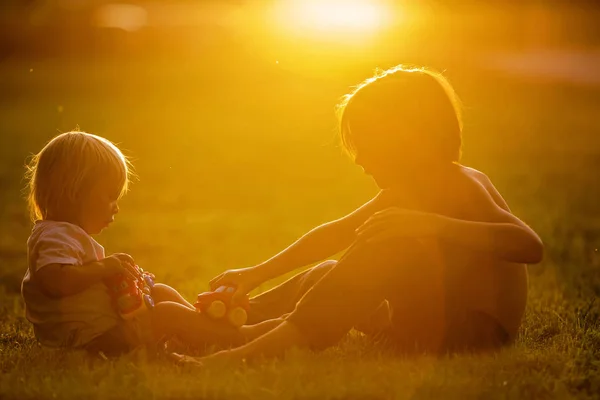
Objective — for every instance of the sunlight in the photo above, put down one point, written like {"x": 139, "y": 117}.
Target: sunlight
{"x": 334, "y": 16}
{"x": 337, "y": 14}
{"x": 127, "y": 17}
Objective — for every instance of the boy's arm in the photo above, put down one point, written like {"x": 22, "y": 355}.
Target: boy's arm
{"x": 60, "y": 280}
{"x": 323, "y": 241}
{"x": 318, "y": 244}
{"x": 496, "y": 231}
{"x": 507, "y": 238}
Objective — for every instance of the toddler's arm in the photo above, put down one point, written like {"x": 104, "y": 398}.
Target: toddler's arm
{"x": 60, "y": 280}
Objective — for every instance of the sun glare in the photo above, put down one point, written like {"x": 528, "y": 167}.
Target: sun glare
{"x": 334, "y": 16}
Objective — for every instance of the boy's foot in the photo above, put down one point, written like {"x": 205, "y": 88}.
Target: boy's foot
{"x": 216, "y": 358}
{"x": 174, "y": 345}
{"x": 182, "y": 359}
{"x": 377, "y": 322}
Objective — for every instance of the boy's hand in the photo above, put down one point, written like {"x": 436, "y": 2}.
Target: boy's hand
{"x": 243, "y": 279}
{"x": 121, "y": 263}
{"x": 398, "y": 222}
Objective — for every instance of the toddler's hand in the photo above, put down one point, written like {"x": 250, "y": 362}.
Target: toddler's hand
{"x": 121, "y": 263}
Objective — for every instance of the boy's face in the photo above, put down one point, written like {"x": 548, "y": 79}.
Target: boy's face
{"x": 98, "y": 209}
{"x": 383, "y": 176}
{"x": 391, "y": 159}
{"x": 386, "y": 169}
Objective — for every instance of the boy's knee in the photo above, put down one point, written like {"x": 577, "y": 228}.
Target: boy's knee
{"x": 319, "y": 270}
{"x": 314, "y": 274}
{"x": 390, "y": 261}
{"x": 388, "y": 251}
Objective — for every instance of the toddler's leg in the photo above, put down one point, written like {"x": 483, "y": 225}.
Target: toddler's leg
{"x": 191, "y": 327}
{"x": 162, "y": 293}
{"x": 119, "y": 340}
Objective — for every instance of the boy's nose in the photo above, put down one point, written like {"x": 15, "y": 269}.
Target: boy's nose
{"x": 365, "y": 171}
{"x": 358, "y": 162}
{"x": 116, "y": 209}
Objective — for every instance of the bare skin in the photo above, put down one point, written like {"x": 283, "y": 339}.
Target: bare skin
{"x": 461, "y": 207}
{"x": 162, "y": 293}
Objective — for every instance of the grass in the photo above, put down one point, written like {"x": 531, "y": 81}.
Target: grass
{"x": 233, "y": 169}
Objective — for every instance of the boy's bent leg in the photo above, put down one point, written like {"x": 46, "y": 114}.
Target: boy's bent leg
{"x": 421, "y": 307}
{"x": 364, "y": 277}
{"x": 252, "y": 332}
{"x": 378, "y": 322}
{"x": 273, "y": 343}
{"x": 193, "y": 328}
{"x": 474, "y": 331}
{"x": 346, "y": 295}
{"x": 162, "y": 292}
{"x": 282, "y": 298}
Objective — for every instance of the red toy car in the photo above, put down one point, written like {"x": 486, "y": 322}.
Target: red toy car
{"x": 218, "y": 305}
{"x": 131, "y": 297}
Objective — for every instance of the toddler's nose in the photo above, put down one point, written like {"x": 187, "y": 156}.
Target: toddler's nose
{"x": 116, "y": 209}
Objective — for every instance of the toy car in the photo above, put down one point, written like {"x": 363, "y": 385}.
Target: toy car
{"x": 131, "y": 297}
{"x": 218, "y": 305}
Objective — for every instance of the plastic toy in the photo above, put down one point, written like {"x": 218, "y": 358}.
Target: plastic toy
{"x": 218, "y": 305}
{"x": 131, "y": 297}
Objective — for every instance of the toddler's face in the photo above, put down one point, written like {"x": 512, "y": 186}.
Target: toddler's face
{"x": 98, "y": 209}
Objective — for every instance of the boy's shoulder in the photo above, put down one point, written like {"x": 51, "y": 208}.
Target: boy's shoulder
{"x": 475, "y": 174}
{"x": 480, "y": 182}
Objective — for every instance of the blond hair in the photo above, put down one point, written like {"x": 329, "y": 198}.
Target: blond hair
{"x": 69, "y": 166}
{"x": 413, "y": 103}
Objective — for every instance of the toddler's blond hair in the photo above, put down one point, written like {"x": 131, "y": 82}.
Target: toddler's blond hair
{"x": 67, "y": 167}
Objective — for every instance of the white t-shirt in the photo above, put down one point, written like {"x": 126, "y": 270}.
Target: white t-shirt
{"x": 70, "y": 321}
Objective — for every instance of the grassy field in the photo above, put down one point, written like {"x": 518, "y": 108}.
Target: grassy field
{"x": 235, "y": 165}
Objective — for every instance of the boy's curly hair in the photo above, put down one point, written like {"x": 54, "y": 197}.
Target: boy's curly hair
{"x": 405, "y": 109}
